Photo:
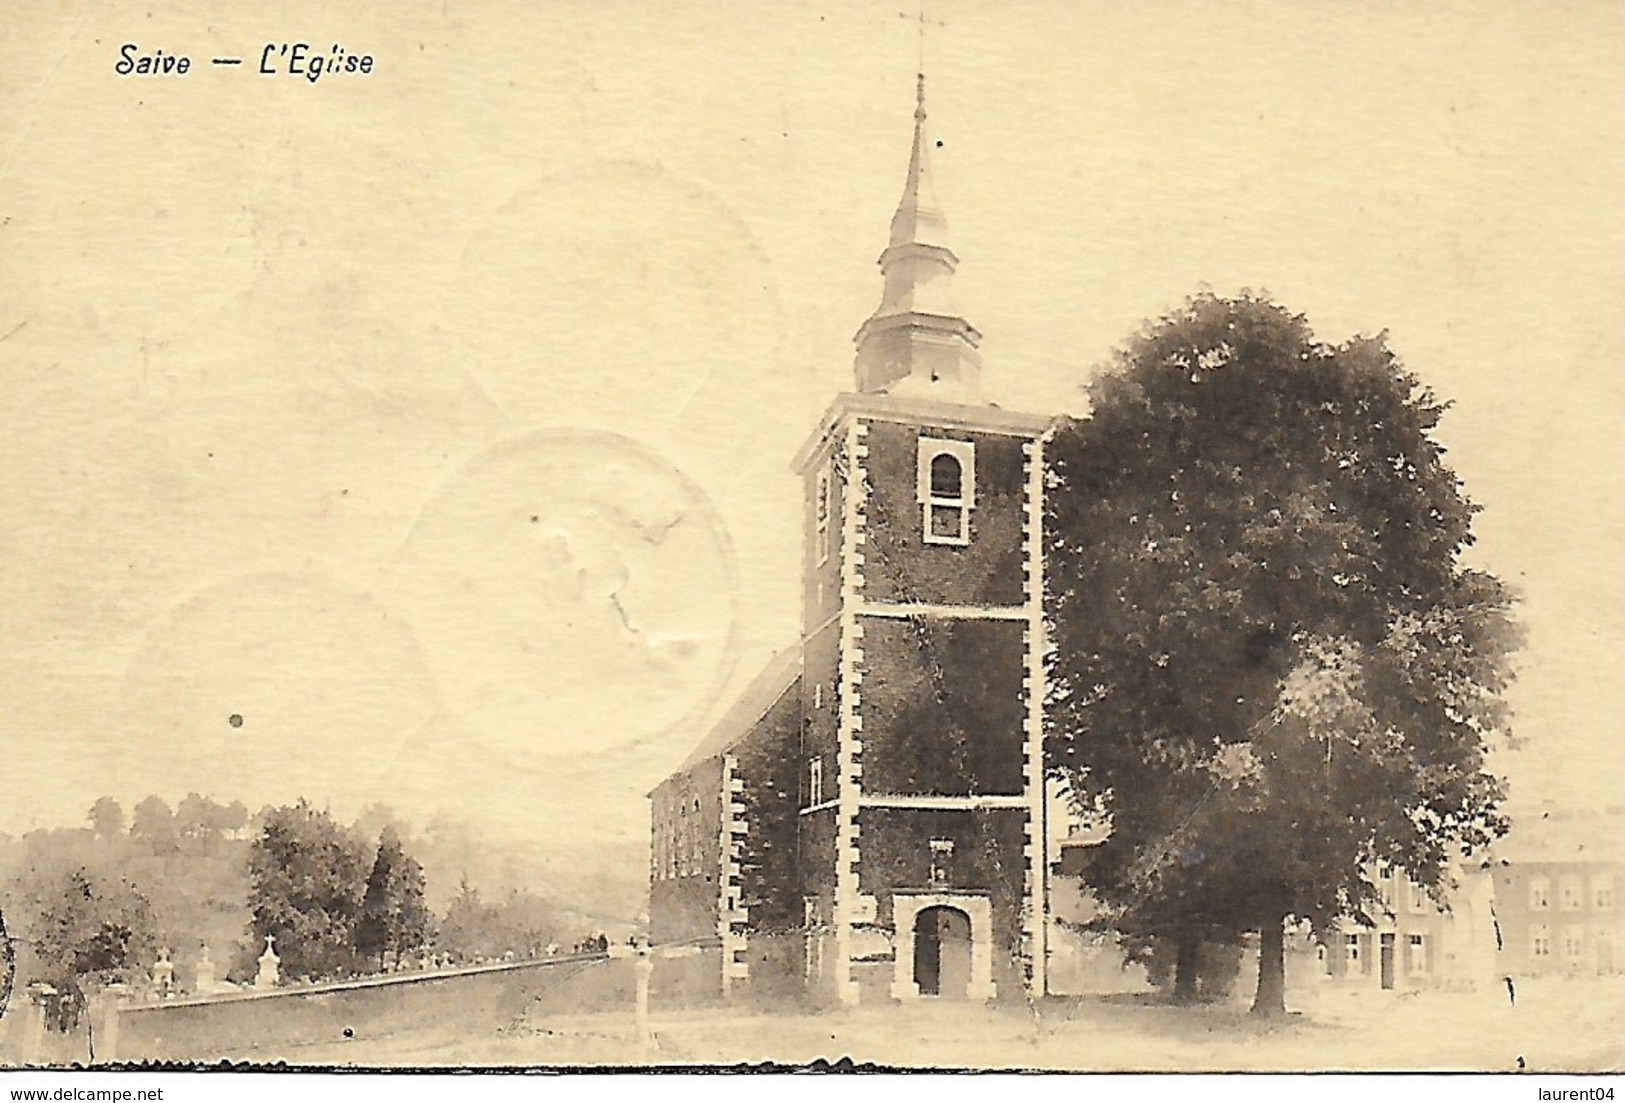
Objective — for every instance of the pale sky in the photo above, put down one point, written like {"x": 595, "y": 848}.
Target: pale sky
{"x": 438, "y": 422}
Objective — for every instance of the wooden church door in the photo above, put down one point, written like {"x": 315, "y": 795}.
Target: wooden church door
{"x": 942, "y": 952}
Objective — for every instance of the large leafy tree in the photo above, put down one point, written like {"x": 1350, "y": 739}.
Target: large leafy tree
{"x": 1271, "y": 667}
{"x": 307, "y": 875}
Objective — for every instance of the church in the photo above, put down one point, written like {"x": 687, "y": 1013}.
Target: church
{"x": 868, "y": 822}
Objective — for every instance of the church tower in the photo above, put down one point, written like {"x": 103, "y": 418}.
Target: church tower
{"x": 921, "y": 833}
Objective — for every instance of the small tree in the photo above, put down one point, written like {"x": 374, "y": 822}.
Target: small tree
{"x": 106, "y": 818}
{"x": 91, "y": 931}
{"x": 198, "y": 821}
{"x": 412, "y": 925}
{"x": 232, "y": 818}
{"x": 8, "y": 965}
{"x": 1270, "y": 663}
{"x": 394, "y": 918}
{"x": 154, "y": 824}
{"x": 469, "y": 928}
{"x": 528, "y": 923}
{"x": 523, "y": 923}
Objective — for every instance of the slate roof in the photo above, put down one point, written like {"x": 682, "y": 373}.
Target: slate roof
{"x": 782, "y": 672}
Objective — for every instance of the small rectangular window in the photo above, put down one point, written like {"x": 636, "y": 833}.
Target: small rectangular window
{"x": 1417, "y": 954}
{"x": 1419, "y": 898}
{"x": 813, "y": 961}
{"x": 815, "y": 782}
{"x": 1569, "y": 894}
{"x": 942, "y": 856}
{"x": 1540, "y": 893}
{"x": 1540, "y": 941}
{"x": 1602, "y": 892}
{"x": 947, "y": 524}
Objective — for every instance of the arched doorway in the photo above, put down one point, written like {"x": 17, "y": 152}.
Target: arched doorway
{"x": 942, "y": 952}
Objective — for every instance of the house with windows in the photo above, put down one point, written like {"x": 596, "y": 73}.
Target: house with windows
{"x": 1557, "y": 879}
{"x": 868, "y": 821}
{"x": 1414, "y": 941}
{"x": 1545, "y": 902}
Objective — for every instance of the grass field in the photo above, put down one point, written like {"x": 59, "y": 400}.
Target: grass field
{"x": 1554, "y": 1025}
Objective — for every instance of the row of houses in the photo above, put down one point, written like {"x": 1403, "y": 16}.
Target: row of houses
{"x": 1542, "y": 902}
{"x": 1555, "y": 884}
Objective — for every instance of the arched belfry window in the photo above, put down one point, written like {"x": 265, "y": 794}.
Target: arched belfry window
{"x": 947, "y": 490}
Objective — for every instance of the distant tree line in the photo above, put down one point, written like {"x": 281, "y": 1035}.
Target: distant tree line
{"x": 196, "y": 820}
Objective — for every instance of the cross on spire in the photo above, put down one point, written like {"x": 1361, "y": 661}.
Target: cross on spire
{"x": 920, "y": 18}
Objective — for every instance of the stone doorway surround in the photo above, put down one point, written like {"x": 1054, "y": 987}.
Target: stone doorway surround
{"x": 906, "y": 906}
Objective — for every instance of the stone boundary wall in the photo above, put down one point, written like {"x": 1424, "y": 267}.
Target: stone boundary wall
{"x": 276, "y": 1025}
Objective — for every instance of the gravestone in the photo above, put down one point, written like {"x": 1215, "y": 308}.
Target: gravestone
{"x": 205, "y": 973}
{"x": 268, "y": 975}
{"x": 163, "y": 975}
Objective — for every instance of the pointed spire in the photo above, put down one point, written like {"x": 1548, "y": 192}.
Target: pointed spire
{"x": 916, "y": 333}
{"x": 919, "y": 219}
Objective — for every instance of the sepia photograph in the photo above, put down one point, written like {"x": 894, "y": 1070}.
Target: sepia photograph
{"x": 853, "y": 536}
